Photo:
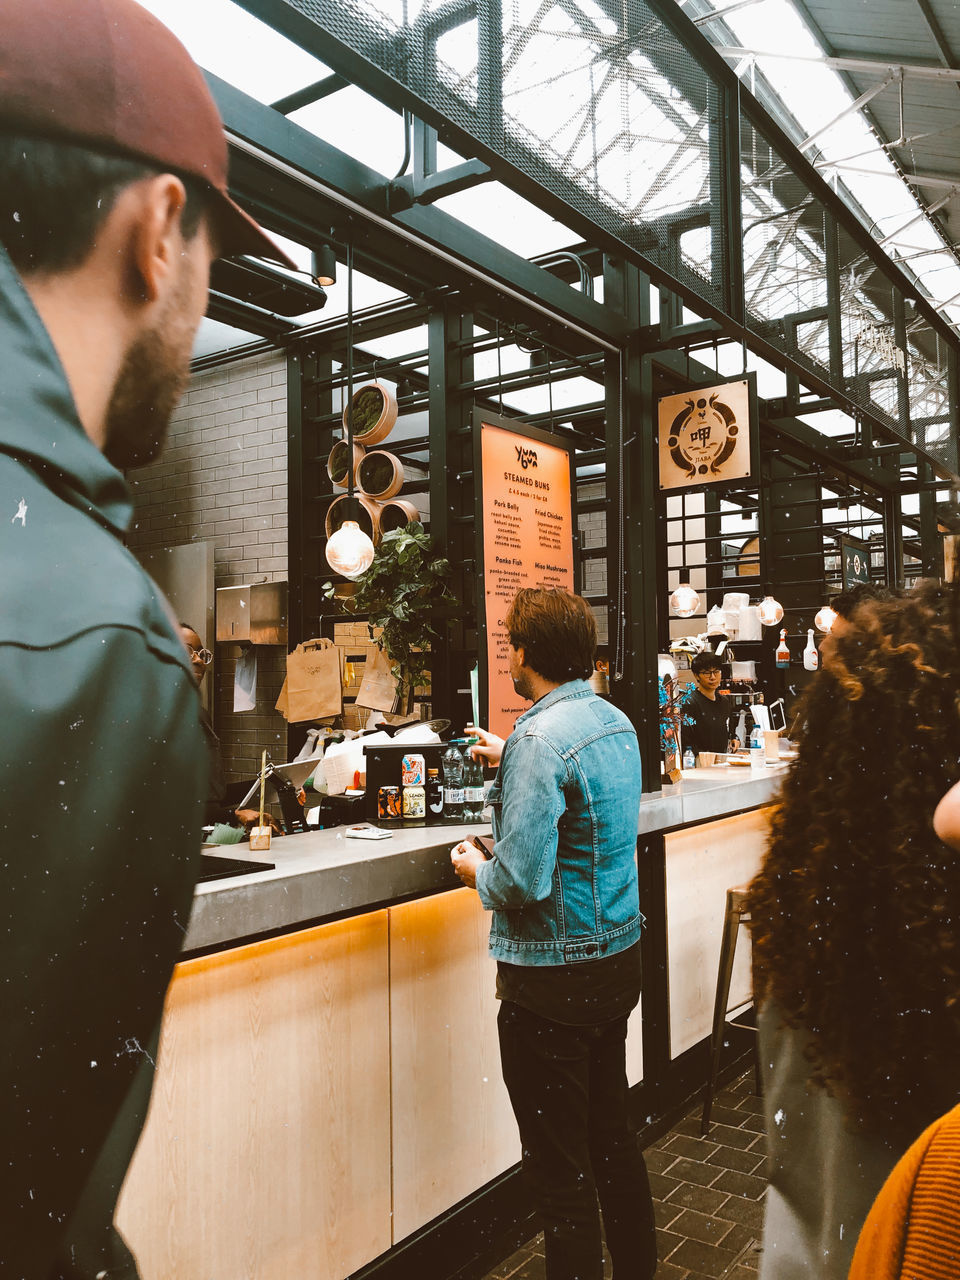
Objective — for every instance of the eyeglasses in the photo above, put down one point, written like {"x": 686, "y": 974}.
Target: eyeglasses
{"x": 205, "y": 656}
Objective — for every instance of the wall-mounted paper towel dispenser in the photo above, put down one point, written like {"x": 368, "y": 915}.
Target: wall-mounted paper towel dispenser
{"x": 254, "y": 614}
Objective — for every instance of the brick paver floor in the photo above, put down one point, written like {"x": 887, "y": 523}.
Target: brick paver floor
{"x": 708, "y": 1196}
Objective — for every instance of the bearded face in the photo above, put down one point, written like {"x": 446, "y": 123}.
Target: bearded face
{"x": 156, "y": 367}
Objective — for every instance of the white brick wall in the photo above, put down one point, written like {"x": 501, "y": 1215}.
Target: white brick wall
{"x": 222, "y": 478}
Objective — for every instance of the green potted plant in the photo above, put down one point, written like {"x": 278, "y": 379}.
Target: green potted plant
{"x": 399, "y": 594}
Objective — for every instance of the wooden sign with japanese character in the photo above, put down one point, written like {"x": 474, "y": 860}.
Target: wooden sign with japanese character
{"x": 708, "y": 436}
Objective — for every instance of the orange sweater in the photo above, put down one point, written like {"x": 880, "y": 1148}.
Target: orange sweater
{"x": 913, "y": 1230}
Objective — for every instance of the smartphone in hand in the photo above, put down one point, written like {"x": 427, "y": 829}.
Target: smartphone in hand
{"x": 483, "y": 843}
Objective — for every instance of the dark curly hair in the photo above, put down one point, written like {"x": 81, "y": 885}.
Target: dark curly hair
{"x": 856, "y": 911}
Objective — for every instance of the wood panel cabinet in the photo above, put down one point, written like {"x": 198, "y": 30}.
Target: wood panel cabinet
{"x": 266, "y": 1154}
{"x": 453, "y": 1128}
{"x": 702, "y": 863}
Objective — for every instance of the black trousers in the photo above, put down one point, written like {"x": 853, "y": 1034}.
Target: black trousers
{"x": 92, "y": 1246}
{"x": 568, "y": 1088}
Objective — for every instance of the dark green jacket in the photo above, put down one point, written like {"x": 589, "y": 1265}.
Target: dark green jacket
{"x": 102, "y": 778}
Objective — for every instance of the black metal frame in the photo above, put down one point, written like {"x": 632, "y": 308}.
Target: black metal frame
{"x": 399, "y": 68}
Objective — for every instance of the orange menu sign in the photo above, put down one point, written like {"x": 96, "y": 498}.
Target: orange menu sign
{"x": 527, "y": 542}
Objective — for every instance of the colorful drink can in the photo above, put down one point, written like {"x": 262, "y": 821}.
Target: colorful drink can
{"x": 414, "y": 802}
{"x": 388, "y": 803}
{"x": 413, "y": 771}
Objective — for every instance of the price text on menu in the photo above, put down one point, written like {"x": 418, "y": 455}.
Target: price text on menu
{"x": 527, "y": 542}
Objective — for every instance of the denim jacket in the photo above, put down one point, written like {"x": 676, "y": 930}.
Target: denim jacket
{"x": 562, "y": 883}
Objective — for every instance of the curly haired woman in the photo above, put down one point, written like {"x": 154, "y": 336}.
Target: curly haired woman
{"x": 856, "y": 931}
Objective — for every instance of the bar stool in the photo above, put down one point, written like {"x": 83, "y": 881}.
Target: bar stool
{"x": 735, "y": 914}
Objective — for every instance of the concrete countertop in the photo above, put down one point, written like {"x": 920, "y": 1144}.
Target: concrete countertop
{"x": 322, "y": 874}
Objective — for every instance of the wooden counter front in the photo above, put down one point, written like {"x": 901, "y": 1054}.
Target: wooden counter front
{"x": 324, "y": 1094}
{"x": 266, "y": 1153}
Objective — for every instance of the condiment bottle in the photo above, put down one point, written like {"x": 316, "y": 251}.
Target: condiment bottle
{"x": 811, "y": 658}
{"x": 434, "y": 793}
{"x": 783, "y": 650}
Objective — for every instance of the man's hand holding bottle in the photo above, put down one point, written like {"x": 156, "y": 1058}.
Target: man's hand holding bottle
{"x": 488, "y": 747}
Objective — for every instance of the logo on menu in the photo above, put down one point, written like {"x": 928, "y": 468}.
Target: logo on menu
{"x": 526, "y": 457}
{"x": 704, "y": 436}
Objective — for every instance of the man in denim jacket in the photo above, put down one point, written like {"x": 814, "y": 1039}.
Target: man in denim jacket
{"x": 562, "y": 886}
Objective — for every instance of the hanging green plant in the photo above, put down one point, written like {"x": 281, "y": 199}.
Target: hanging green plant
{"x": 398, "y": 594}
{"x": 367, "y": 408}
{"x": 376, "y": 474}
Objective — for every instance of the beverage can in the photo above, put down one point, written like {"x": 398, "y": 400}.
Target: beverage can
{"x": 414, "y": 802}
{"x": 413, "y": 771}
{"x": 388, "y": 803}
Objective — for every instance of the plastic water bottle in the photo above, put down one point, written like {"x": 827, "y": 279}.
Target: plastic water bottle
{"x": 756, "y": 747}
{"x": 689, "y": 759}
{"x": 472, "y": 785}
{"x": 452, "y": 783}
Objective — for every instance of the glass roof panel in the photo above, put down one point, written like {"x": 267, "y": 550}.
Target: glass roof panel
{"x": 842, "y": 143}
{"x": 507, "y": 218}
{"x": 213, "y": 336}
{"x": 354, "y": 122}
{"x": 239, "y": 48}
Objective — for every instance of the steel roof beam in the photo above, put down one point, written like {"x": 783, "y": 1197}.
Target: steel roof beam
{"x": 875, "y": 66}
{"x": 848, "y": 110}
{"x": 310, "y": 93}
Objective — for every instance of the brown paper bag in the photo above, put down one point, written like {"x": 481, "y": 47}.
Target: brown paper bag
{"x": 281, "y": 703}
{"x": 378, "y": 689}
{"x": 312, "y": 689}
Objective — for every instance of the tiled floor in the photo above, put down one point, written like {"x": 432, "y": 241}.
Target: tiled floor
{"x": 708, "y": 1196}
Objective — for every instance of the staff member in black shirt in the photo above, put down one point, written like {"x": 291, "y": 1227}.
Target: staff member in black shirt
{"x": 709, "y": 730}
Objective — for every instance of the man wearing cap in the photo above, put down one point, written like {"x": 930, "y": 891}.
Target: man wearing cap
{"x": 113, "y": 203}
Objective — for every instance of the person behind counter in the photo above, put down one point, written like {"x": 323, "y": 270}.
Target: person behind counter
{"x": 855, "y": 942}
{"x": 562, "y": 886}
{"x": 217, "y": 809}
{"x": 706, "y": 716}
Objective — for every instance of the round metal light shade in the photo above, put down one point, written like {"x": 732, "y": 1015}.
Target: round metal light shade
{"x": 684, "y": 602}
{"x": 770, "y": 611}
{"x": 825, "y": 619}
{"x": 349, "y": 550}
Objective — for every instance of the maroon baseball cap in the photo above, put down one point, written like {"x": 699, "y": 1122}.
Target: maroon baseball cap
{"x": 109, "y": 74}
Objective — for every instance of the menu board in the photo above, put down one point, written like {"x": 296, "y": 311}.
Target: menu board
{"x": 526, "y": 539}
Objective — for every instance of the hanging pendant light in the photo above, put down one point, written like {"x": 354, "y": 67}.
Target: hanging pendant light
{"x": 684, "y": 602}
{"x": 349, "y": 550}
{"x": 825, "y": 619}
{"x": 770, "y": 611}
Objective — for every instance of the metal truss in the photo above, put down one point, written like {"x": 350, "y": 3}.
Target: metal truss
{"x": 620, "y": 119}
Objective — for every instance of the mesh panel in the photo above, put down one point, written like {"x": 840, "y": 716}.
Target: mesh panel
{"x": 599, "y": 103}
{"x": 928, "y": 388}
{"x": 609, "y": 113}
